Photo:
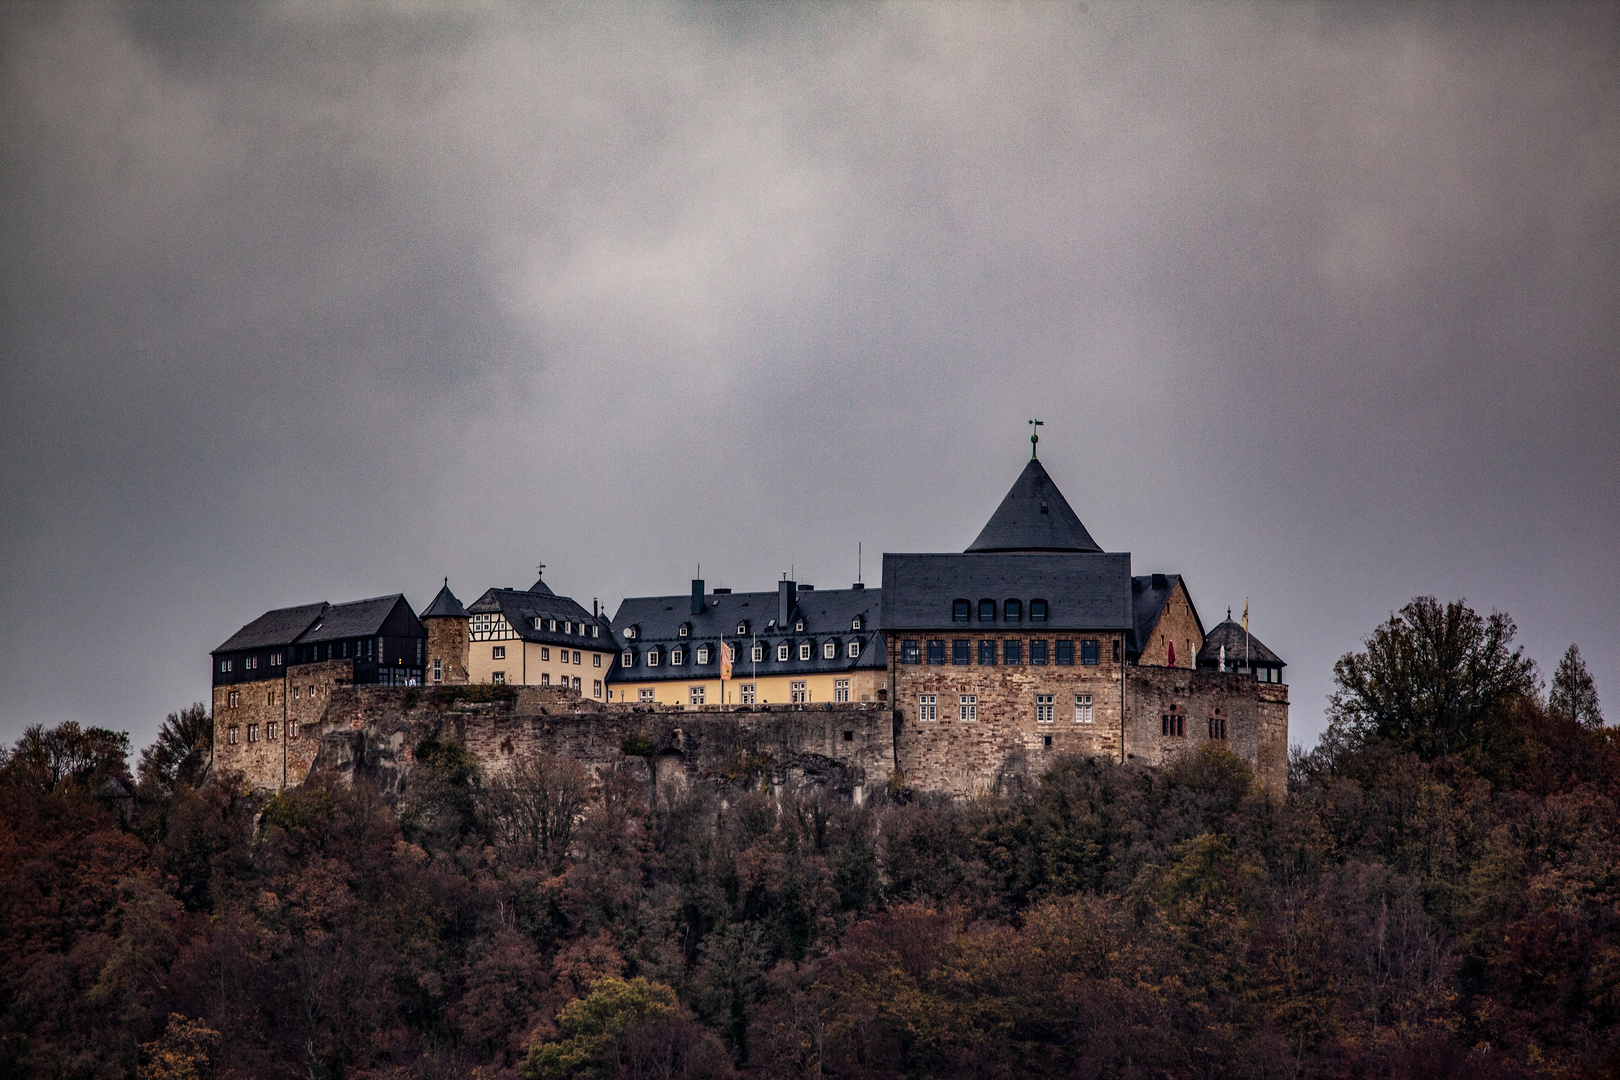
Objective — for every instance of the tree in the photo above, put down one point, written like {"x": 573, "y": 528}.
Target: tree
{"x": 1434, "y": 680}
{"x": 624, "y": 1027}
{"x": 185, "y": 1051}
{"x": 533, "y": 805}
{"x": 1573, "y": 693}
{"x": 181, "y": 749}
{"x": 66, "y": 756}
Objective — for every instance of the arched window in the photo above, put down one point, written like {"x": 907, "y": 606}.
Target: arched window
{"x": 1012, "y": 610}
{"x": 987, "y": 611}
{"x": 829, "y": 650}
{"x": 959, "y": 610}
{"x": 1037, "y": 611}
{"x": 782, "y": 651}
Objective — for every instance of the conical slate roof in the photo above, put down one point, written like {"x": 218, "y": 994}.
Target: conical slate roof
{"x": 444, "y": 606}
{"x": 1238, "y": 645}
{"x": 1034, "y": 517}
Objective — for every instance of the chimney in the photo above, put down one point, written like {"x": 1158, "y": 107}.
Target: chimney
{"x": 697, "y": 596}
{"x": 787, "y": 598}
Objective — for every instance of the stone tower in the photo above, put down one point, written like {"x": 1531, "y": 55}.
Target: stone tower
{"x": 446, "y": 623}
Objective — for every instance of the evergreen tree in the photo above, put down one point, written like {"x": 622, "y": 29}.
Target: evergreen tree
{"x": 1573, "y": 693}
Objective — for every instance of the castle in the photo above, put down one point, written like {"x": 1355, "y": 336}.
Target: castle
{"x": 962, "y": 668}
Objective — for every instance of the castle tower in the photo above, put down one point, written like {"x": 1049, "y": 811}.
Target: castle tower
{"x": 446, "y": 623}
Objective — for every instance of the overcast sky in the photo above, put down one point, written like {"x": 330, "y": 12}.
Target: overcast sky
{"x": 1320, "y": 306}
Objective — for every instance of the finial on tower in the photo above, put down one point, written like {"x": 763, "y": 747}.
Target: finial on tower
{"x": 1034, "y": 437}
{"x": 540, "y": 570}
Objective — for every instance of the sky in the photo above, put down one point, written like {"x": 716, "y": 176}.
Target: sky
{"x": 1319, "y": 304}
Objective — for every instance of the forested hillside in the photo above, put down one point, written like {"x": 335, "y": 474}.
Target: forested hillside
{"x": 1438, "y": 894}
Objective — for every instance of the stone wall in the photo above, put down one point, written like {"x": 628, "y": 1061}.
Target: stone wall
{"x": 446, "y": 643}
{"x": 1176, "y": 623}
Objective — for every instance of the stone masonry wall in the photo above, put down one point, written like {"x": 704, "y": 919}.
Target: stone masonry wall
{"x": 446, "y": 642}
{"x": 296, "y": 703}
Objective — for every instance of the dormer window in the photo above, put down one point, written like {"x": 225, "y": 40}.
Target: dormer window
{"x": 538, "y": 623}
{"x": 782, "y": 651}
{"x": 804, "y": 650}
{"x": 596, "y": 631}
{"x": 758, "y": 653}
{"x": 686, "y": 628}
{"x": 742, "y": 628}
{"x": 829, "y": 650}
{"x": 1037, "y": 611}
{"x": 1013, "y": 610}
{"x": 568, "y": 626}
{"x": 629, "y": 633}
{"x": 628, "y": 659}
{"x": 987, "y": 610}
{"x": 959, "y": 610}
{"x": 652, "y": 657}
{"x": 552, "y": 626}
{"x": 677, "y": 656}
{"x": 856, "y": 624}
{"x": 703, "y": 654}
{"x": 799, "y": 626}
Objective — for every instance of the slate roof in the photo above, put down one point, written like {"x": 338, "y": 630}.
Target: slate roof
{"x": 357, "y": 618}
{"x": 521, "y": 607}
{"x": 1034, "y": 516}
{"x": 1083, "y": 590}
{"x": 827, "y": 614}
{"x": 279, "y": 627}
{"x": 444, "y": 606}
{"x": 1230, "y": 634}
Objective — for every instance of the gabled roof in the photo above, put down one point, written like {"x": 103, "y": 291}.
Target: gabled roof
{"x": 828, "y": 614}
{"x": 1230, "y": 634}
{"x": 1083, "y": 590}
{"x": 520, "y": 607}
{"x": 1034, "y": 516}
{"x": 358, "y": 618}
{"x": 444, "y": 606}
{"x": 279, "y": 627}
{"x": 1149, "y": 594}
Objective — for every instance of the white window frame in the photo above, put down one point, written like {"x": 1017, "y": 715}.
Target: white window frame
{"x": 855, "y": 624}
{"x": 758, "y": 653}
{"x": 497, "y": 652}
{"x": 841, "y": 690}
{"x": 804, "y": 650}
{"x": 596, "y": 687}
{"x": 750, "y": 692}
{"x": 742, "y": 628}
{"x": 853, "y": 650}
{"x": 652, "y": 657}
{"x": 927, "y": 706}
{"x": 596, "y": 659}
{"x": 798, "y": 627}
{"x": 798, "y": 692}
{"x": 646, "y": 695}
{"x": 1083, "y": 712}
{"x": 628, "y": 659}
{"x": 695, "y": 695}
{"x": 967, "y": 707}
{"x": 545, "y": 654}
{"x": 1045, "y": 709}
{"x": 782, "y": 652}
{"x": 438, "y": 672}
{"x": 497, "y": 678}
{"x": 677, "y": 656}
{"x": 829, "y": 651}
{"x": 702, "y": 654}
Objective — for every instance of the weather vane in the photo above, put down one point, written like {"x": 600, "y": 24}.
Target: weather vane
{"x": 540, "y": 570}
{"x": 1034, "y": 436}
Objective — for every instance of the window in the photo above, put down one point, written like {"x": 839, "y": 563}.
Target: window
{"x": 961, "y": 652}
{"x": 1217, "y": 727}
{"x": 829, "y": 650}
{"x": 758, "y": 653}
{"x": 629, "y": 633}
{"x": 797, "y": 692}
{"x": 224, "y": 665}
{"x": 538, "y": 623}
{"x": 1012, "y": 652}
{"x": 270, "y": 732}
{"x": 856, "y": 623}
{"x": 1116, "y": 650}
{"x": 628, "y": 659}
{"x": 1037, "y": 611}
{"x": 748, "y": 693}
{"x": 731, "y": 653}
{"x": 275, "y": 659}
{"x": 910, "y": 652}
{"x": 1012, "y": 610}
{"x": 1037, "y": 652}
{"x": 852, "y": 650}
{"x": 936, "y": 652}
{"x": 498, "y": 678}
{"x": 295, "y": 693}
{"x": 928, "y": 707}
{"x": 231, "y": 734}
{"x": 652, "y": 657}
{"x": 1065, "y": 653}
{"x": 840, "y": 689}
{"x": 798, "y": 627}
{"x": 253, "y": 733}
{"x": 568, "y": 626}
{"x": 987, "y": 611}
{"x": 1089, "y": 653}
{"x": 577, "y": 660}
{"x": 551, "y": 624}
{"x": 782, "y": 651}
{"x": 234, "y": 699}
{"x": 987, "y": 653}
{"x": 497, "y": 652}
{"x": 1173, "y": 724}
{"x": 645, "y": 694}
{"x": 703, "y": 654}
{"x": 677, "y": 656}
{"x": 742, "y": 628}
{"x": 576, "y": 684}
{"x": 959, "y": 611}
{"x": 292, "y": 729}
{"x": 804, "y": 650}
{"x": 596, "y": 631}
{"x": 1082, "y": 708}
{"x": 545, "y": 654}
{"x": 695, "y": 695}
{"x": 545, "y": 678}
{"x": 438, "y": 670}
{"x": 967, "y": 708}
{"x": 849, "y": 736}
{"x": 1043, "y": 708}
{"x": 270, "y": 698}
{"x": 596, "y": 659}
{"x": 596, "y": 688}
{"x": 685, "y": 629}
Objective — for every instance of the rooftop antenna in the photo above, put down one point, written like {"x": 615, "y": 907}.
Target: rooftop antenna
{"x": 857, "y": 563}
{"x": 1034, "y": 436}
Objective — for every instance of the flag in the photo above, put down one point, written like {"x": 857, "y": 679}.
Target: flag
{"x": 1172, "y": 654}
{"x": 726, "y": 654}
{"x": 1245, "y": 614}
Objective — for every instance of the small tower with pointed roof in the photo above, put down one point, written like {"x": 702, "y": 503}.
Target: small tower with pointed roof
{"x": 446, "y": 623}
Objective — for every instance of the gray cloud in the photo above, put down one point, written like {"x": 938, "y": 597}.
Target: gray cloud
{"x": 1318, "y": 304}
